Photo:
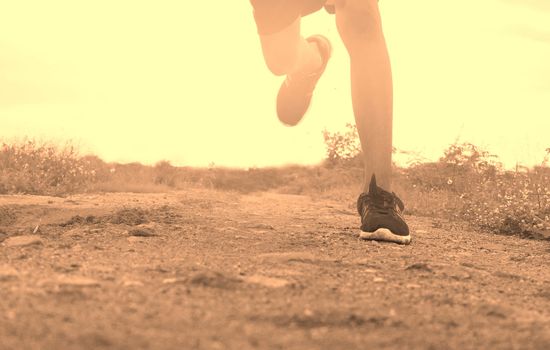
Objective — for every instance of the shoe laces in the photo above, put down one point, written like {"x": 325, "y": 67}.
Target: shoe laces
{"x": 380, "y": 201}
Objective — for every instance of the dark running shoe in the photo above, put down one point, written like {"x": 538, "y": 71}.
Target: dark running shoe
{"x": 381, "y": 216}
{"x": 295, "y": 93}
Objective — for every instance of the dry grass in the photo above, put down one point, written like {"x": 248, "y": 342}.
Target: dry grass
{"x": 466, "y": 184}
{"x": 42, "y": 168}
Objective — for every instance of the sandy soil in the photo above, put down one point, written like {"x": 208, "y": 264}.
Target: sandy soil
{"x": 202, "y": 269}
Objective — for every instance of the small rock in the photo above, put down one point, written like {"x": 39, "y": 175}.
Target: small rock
{"x": 378, "y": 280}
{"x": 77, "y": 281}
{"x": 23, "y": 241}
{"x": 8, "y": 273}
{"x": 421, "y": 231}
{"x": 413, "y": 286}
{"x": 269, "y": 282}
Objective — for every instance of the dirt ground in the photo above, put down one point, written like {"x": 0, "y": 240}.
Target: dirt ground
{"x": 201, "y": 269}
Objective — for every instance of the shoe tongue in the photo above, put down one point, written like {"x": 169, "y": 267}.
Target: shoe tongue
{"x": 373, "y": 188}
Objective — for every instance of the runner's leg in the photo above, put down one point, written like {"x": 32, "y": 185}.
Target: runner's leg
{"x": 360, "y": 28}
{"x": 285, "y": 50}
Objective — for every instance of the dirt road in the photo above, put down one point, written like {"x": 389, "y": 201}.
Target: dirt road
{"x": 200, "y": 269}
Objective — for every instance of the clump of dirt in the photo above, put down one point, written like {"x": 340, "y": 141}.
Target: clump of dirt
{"x": 214, "y": 279}
{"x": 7, "y": 216}
{"x": 80, "y": 220}
{"x": 166, "y": 215}
{"x": 322, "y": 319}
{"x": 141, "y": 232}
{"x": 128, "y": 216}
{"x": 3, "y": 236}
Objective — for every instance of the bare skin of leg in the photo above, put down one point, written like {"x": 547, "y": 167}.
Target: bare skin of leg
{"x": 287, "y": 51}
{"x": 360, "y": 28}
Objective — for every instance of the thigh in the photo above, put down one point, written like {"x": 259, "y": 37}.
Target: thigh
{"x": 273, "y": 16}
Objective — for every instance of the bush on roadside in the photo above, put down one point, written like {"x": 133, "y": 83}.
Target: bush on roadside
{"x": 31, "y": 167}
{"x": 468, "y": 184}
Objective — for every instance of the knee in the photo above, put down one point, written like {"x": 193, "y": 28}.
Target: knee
{"x": 358, "y": 21}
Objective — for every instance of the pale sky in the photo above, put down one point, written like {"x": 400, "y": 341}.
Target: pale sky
{"x": 185, "y": 81}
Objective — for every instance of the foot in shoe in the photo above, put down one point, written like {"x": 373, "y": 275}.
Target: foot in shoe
{"x": 382, "y": 216}
{"x": 295, "y": 94}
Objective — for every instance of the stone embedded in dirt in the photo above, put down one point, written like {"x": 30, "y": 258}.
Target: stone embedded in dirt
{"x": 378, "y": 280}
{"x": 413, "y": 286}
{"x": 269, "y": 282}
{"x": 23, "y": 241}
{"x": 141, "y": 232}
{"x": 419, "y": 267}
{"x": 8, "y": 273}
{"x": 77, "y": 281}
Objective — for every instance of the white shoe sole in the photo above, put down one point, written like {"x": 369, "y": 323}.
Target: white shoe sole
{"x": 385, "y": 235}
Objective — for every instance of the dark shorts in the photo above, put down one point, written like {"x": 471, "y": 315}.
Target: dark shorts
{"x": 273, "y": 16}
